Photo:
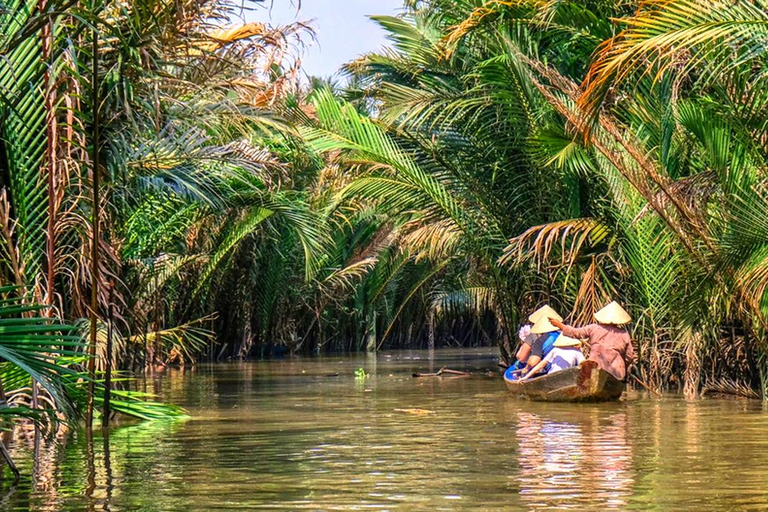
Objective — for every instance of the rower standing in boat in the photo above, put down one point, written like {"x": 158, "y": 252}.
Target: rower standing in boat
{"x": 609, "y": 343}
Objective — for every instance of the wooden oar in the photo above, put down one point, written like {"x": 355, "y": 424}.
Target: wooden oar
{"x": 442, "y": 371}
{"x": 646, "y": 386}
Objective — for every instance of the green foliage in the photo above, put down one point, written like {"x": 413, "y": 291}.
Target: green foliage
{"x": 496, "y": 156}
{"x": 37, "y": 348}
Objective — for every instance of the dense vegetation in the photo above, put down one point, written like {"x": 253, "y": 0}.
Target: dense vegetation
{"x": 496, "y": 156}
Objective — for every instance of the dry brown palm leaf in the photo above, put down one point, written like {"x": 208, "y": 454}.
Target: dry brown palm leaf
{"x": 476, "y": 17}
{"x": 74, "y": 262}
{"x": 694, "y": 190}
{"x": 708, "y": 37}
{"x": 9, "y": 249}
{"x": 592, "y": 295}
{"x": 570, "y": 236}
{"x": 225, "y": 36}
{"x": 726, "y": 386}
{"x": 542, "y": 12}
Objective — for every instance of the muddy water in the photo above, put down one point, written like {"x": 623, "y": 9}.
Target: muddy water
{"x": 292, "y": 435}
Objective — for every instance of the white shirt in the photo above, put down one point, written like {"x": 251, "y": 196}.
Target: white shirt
{"x": 563, "y": 358}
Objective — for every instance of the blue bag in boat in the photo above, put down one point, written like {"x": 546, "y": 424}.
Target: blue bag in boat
{"x": 513, "y": 376}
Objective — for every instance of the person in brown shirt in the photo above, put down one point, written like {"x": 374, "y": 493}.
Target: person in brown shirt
{"x": 610, "y": 345}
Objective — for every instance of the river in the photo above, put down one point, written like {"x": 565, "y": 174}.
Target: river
{"x": 290, "y": 434}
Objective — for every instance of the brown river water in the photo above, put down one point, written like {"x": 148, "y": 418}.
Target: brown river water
{"x": 285, "y": 435}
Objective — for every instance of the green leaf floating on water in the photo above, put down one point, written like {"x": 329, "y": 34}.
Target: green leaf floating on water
{"x": 360, "y": 374}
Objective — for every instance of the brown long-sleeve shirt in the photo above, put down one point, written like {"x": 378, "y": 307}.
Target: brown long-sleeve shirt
{"x": 609, "y": 345}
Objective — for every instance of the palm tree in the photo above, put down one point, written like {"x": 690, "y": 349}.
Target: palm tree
{"x": 485, "y": 98}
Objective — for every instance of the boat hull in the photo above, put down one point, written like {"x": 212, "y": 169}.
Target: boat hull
{"x": 584, "y": 383}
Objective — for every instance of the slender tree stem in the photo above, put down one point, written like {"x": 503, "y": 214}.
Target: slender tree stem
{"x": 108, "y": 363}
{"x": 7, "y": 457}
{"x": 96, "y": 136}
{"x": 50, "y": 153}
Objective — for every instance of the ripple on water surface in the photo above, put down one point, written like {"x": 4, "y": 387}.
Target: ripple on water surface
{"x": 288, "y": 435}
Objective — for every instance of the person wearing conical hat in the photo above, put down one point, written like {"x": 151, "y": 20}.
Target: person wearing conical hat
{"x": 529, "y": 340}
{"x": 547, "y": 335}
{"x": 609, "y": 342}
{"x": 530, "y": 343}
{"x": 544, "y": 311}
{"x": 565, "y": 354}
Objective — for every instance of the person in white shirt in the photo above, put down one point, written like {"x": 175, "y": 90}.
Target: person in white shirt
{"x": 565, "y": 354}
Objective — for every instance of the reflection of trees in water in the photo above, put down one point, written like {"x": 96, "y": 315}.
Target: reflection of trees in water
{"x": 45, "y": 445}
{"x": 573, "y": 462}
{"x": 81, "y": 471}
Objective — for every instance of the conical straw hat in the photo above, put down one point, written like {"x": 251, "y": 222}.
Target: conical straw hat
{"x": 613, "y": 314}
{"x": 544, "y": 312}
{"x": 566, "y": 341}
{"x": 543, "y": 326}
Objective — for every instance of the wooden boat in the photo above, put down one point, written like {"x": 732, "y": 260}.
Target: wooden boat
{"x": 584, "y": 383}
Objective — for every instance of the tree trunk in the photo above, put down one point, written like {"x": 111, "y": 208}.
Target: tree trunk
{"x": 49, "y": 158}
{"x": 370, "y": 331}
{"x": 692, "y": 374}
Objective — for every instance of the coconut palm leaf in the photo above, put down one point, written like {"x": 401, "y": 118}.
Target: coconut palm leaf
{"x": 417, "y": 287}
{"x": 569, "y": 236}
{"x": 245, "y": 227}
{"x": 469, "y": 299}
{"x": 708, "y": 37}
{"x": 36, "y": 347}
{"x": 23, "y": 132}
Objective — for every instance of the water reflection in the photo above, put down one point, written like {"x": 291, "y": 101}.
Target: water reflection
{"x": 567, "y": 463}
{"x": 293, "y": 435}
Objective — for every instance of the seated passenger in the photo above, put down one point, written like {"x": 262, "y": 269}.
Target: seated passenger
{"x": 565, "y": 354}
{"x": 548, "y": 333}
{"x": 529, "y": 340}
{"x": 526, "y": 340}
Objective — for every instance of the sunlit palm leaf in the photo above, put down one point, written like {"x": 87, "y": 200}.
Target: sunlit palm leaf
{"x": 569, "y": 236}
{"x": 708, "y": 36}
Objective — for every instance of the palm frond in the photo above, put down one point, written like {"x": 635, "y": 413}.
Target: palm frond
{"x": 569, "y": 236}
{"x": 708, "y": 36}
